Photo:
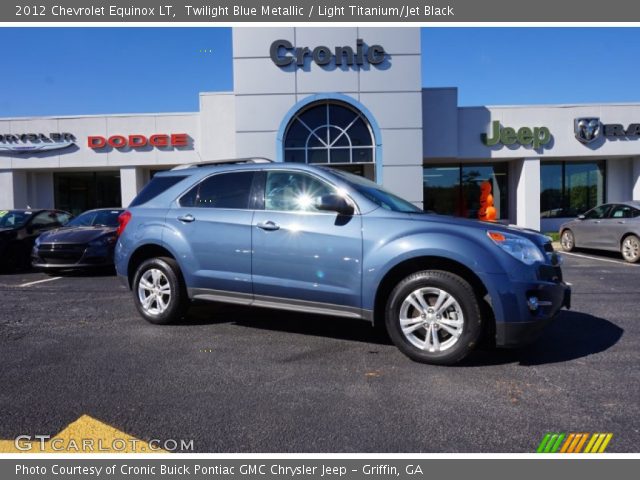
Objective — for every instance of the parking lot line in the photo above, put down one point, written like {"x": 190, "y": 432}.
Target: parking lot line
{"x": 619, "y": 262}
{"x": 28, "y": 284}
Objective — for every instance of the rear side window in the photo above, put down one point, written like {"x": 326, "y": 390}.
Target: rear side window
{"x": 155, "y": 187}
{"x": 225, "y": 190}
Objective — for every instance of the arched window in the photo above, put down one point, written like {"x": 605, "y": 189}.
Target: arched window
{"x": 329, "y": 132}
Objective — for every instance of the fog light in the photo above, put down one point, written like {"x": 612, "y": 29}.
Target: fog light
{"x": 533, "y": 303}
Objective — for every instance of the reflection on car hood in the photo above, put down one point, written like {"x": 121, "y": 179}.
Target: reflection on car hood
{"x": 75, "y": 234}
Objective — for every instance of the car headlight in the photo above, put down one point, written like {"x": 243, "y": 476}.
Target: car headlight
{"x": 518, "y": 247}
{"x": 103, "y": 241}
{"x": 37, "y": 242}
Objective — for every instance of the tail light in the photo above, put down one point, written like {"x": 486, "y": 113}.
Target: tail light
{"x": 123, "y": 219}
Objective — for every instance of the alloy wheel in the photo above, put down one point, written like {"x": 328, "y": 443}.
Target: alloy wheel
{"x": 154, "y": 291}
{"x": 431, "y": 319}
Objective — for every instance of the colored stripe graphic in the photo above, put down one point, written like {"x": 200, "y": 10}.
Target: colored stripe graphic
{"x": 574, "y": 442}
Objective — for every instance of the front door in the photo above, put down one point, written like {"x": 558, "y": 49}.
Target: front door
{"x": 302, "y": 256}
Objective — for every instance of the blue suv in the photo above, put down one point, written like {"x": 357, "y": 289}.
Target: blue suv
{"x": 322, "y": 241}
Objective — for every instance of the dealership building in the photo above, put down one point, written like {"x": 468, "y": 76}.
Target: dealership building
{"x": 350, "y": 98}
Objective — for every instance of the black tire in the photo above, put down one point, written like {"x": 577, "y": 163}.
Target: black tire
{"x": 428, "y": 283}
{"x": 177, "y": 301}
{"x": 567, "y": 240}
{"x": 15, "y": 259}
{"x": 630, "y": 248}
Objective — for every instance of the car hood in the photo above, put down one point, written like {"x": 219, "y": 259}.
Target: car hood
{"x": 75, "y": 234}
{"x": 454, "y": 222}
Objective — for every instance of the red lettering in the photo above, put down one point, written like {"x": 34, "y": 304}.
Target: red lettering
{"x": 96, "y": 142}
{"x": 117, "y": 141}
{"x": 159, "y": 140}
{"x": 137, "y": 141}
{"x": 179, "y": 139}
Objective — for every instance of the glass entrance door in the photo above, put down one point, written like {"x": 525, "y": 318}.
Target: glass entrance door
{"x": 77, "y": 192}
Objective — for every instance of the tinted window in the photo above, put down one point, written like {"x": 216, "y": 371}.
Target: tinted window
{"x": 287, "y": 191}
{"x": 12, "y": 218}
{"x": 63, "y": 218}
{"x": 623, "y": 211}
{"x": 225, "y": 190}
{"x": 598, "y": 212}
{"x": 155, "y": 187}
{"x": 107, "y": 218}
{"x": 44, "y": 219}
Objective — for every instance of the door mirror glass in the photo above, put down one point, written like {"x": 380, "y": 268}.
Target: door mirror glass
{"x": 334, "y": 203}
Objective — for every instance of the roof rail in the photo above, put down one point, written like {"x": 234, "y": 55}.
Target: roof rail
{"x": 224, "y": 162}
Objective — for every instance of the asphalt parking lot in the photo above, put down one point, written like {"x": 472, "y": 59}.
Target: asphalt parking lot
{"x": 250, "y": 380}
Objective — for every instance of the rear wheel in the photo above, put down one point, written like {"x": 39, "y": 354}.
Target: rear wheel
{"x": 159, "y": 292}
{"x": 433, "y": 317}
{"x": 630, "y": 249}
{"x": 567, "y": 240}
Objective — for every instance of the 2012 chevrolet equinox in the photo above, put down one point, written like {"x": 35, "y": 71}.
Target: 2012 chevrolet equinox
{"x": 317, "y": 240}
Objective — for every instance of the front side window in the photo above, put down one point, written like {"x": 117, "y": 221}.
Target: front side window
{"x": 225, "y": 190}
{"x": 13, "y": 218}
{"x": 293, "y": 191}
{"x": 598, "y": 212}
{"x": 44, "y": 219}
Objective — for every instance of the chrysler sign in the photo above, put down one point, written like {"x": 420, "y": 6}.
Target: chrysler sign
{"x": 35, "y": 142}
{"x": 590, "y": 129}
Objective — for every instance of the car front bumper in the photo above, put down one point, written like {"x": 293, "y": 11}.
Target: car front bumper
{"x": 46, "y": 257}
{"x": 528, "y": 309}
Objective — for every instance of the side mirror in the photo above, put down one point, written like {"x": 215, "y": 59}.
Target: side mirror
{"x": 334, "y": 203}
{"x": 581, "y": 217}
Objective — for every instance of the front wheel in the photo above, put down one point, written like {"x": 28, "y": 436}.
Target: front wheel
{"x": 159, "y": 292}
{"x": 630, "y": 249}
{"x": 433, "y": 317}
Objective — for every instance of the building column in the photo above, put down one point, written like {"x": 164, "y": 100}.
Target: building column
{"x": 131, "y": 182}
{"x": 13, "y": 189}
{"x": 635, "y": 189}
{"x": 527, "y": 184}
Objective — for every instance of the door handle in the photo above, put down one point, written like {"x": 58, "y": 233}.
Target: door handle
{"x": 621, "y": 221}
{"x": 188, "y": 218}
{"x": 268, "y": 226}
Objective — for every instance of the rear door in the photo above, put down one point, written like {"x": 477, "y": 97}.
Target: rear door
{"x": 618, "y": 224}
{"x": 301, "y": 256}
{"x": 589, "y": 232}
{"x": 214, "y": 221}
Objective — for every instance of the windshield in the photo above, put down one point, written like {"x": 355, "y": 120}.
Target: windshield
{"x": 375, "y": 193}
{"x": 96, "y": 218}
{"x": 13, "y": 218}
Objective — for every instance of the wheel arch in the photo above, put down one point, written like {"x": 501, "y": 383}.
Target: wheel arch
{"x": 142, "y": 253}
{"x": 416, "y": 264}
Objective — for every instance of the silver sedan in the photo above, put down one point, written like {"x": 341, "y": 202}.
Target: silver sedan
{"x": 612, "y": 226}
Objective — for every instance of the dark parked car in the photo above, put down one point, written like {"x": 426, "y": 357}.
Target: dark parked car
{"x": 19, "y": 230}
{"x": 612, "y": 226}
{"x": 86, "y": 241}
{"x": 321, "y": 241}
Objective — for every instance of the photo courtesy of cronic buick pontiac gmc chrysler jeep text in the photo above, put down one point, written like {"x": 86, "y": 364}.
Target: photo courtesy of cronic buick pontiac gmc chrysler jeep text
{"x": 317, "y": 240}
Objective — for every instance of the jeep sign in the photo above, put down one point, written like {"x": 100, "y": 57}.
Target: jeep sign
{"x": 537, "y": 136}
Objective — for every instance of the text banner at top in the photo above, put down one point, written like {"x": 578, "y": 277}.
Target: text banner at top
{"x": 307, "y": 11}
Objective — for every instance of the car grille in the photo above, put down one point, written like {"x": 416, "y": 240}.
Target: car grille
{"x": 60, "y": 254}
